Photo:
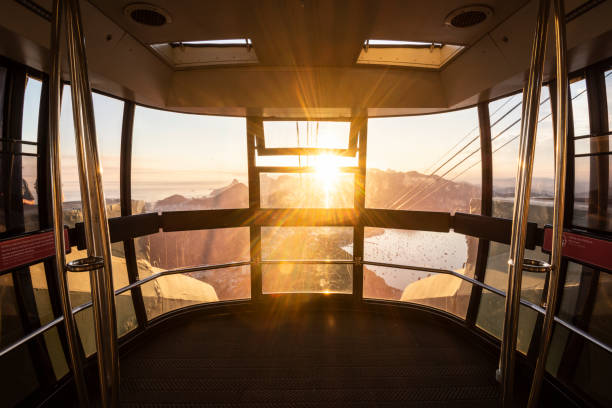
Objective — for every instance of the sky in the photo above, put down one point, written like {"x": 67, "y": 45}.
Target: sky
{"x": 205, "y": 152}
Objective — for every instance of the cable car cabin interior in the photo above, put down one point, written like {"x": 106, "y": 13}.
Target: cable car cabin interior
{"x": 305, "y": 203}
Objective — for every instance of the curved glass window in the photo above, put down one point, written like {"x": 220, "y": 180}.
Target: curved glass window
{"x": 505, "y": 118}
{"x": 109, "y": 120}
{"x": 306, "y": 243}
{"x": 428, "y": 163}
{"x": 592, "y": 164}
{"x": 446, "y": 251}
{"x": 173, "y": 250}
{"x": 188, "y": 162}
{"x": 29, "y": 146}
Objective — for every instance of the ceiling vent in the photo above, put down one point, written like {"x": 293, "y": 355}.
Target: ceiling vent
{"x": 469, "y": 16}
{"x": 147, "y": 14}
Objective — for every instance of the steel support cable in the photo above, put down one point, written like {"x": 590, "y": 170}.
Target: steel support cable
{"x": 438, "y": 187}
{"x": 465, "y": 137}
{"x": 427, "y": 183}
{"x": 508, "y": 141}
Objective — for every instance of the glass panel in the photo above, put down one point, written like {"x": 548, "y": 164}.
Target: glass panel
{"x": 173, "y": 292}
{"x": 580, "y": 108}
{"x": 497, "y": 272}
{"x": 29, "y": 164}
{"x": 29, "y": 192}
{"x": 307, "y": 243}
{"x": 327, "y": 188}
{"x": 591, "y": 374}
{"x": 2, "y": 181}
{"x": 447, "y": 251}
{"x": 323, "y": 160}
{"x": 31, "y": 108}
{"x": 321, "y": 278}
{"x": 429, "y": 162}
{"x": 80, "y": 292}
{"x": 45, "y": 314}
{"x": 109, "y": 119}
{"x": 172, "y": 250}
{"x": 490, "y": 319}
{"x": 417, "y": 248}
{"x": 505, "y": 116}
{"x": 608, "y": 78}
{"x": 10, "y": 321}
{"x": 578, "y": 363}
{"x": 600, "y": 324}
{"x": 593, "y": 179}
{"x": 188, "y": 162}
{"x": 596, "y": 144}
{"x": 329, "y": 135}
{"x": 438, "y": 290}
{"x": 19, "y": 377}
{"x": 571, "y": 290}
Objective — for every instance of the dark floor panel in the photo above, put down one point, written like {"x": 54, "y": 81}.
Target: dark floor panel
{"x": 312, "y": 359}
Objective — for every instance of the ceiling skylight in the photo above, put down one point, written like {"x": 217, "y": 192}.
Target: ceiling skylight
{"x": 234, "y": 41}
{"x": 188, "y": 54}
{"x": 432, "y": 55}
{"x": 392, "y": 43}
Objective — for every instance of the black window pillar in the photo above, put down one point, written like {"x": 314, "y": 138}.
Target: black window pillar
{"x": 486, "y": 208}
{"x": 125, "y": 186}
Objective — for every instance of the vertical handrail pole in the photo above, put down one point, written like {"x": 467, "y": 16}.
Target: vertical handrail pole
{"x": 559, "y": 202}
{"x": 56, "y": 194}
{"x": 529, "y": 123}
{"x": 95, "y": 218}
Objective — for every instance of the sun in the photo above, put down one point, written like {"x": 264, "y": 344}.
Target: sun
{"x": 328, "y": 172}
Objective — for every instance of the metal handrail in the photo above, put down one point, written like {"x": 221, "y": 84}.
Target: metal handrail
{"x": 150, "y": 278}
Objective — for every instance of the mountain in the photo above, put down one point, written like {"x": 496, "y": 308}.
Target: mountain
{"x": 417, "y": 192}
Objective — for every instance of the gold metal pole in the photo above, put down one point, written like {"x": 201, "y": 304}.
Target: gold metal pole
{"x": 56, "y": 189}
{"x": 559, "y": 202}
{"x": 529, "y": 123}
{"x": 99, "y": 260}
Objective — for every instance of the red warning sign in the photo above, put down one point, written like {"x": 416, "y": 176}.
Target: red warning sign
{"x": 28, "y": 249}
{"x": 582, "y": 248}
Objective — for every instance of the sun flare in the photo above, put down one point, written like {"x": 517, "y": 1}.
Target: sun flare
{"x": 328, "y": 172}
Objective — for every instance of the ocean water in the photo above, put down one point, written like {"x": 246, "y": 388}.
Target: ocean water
{"x": 150, "y": 192}
{"x": 414, "y": 248}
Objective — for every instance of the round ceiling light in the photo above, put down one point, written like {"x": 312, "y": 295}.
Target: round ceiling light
{"x": 147, "y": 14}
{"x": 469, "y": 16}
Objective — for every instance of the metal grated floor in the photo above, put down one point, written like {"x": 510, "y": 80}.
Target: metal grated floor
{"x": 313, "y": 359}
